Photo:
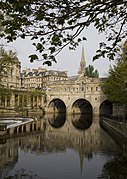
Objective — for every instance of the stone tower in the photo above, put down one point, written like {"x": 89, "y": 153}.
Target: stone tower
{"x": 82, "y": 67}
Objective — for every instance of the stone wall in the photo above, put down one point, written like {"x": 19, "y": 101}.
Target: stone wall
{"x": 120, "y": 110}
{"x": 120, "y": 127}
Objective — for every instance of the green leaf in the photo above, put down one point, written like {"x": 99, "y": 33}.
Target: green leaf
{"x": 33, "y": 57}
{"x": 45, "y": 56}
{"x": 47, "y": 63}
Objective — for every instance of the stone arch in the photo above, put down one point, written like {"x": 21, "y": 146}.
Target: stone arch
{"x": 56, "y": 106}
{"x": 106, "y": 108}
{"x": 82, "y": 106}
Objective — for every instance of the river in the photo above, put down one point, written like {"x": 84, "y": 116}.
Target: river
{"x": 64, "y": 147}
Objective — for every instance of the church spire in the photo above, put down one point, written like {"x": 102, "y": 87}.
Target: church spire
{"x": 82, "y": 63}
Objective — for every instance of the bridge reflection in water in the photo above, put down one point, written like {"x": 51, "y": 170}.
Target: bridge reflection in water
{"x": 82, "y": 121}
{"x": 56, "y": 120}
{"x": 60, "y": 146}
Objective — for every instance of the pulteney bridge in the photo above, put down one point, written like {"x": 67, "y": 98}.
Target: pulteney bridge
{"x": 82, "y": 95}
{"x": 77, "y": 94}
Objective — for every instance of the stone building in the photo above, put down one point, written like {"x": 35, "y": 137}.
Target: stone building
{"x": 13, "y": 97}
{"x": 39, "y": 78}
{"x": 26, "y": 89}
{"x": 82, "y": 64}
{"x": 24, "y": 85}
{"x": 32, "y": 78}
{"x": 75, "y": 84}
{"x": 37, "y": 88}
{"x": 76, "y": 93}
{"x": 12, "y": 77}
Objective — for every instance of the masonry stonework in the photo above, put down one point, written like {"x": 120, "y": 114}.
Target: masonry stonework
{"x": 56, "y": 90}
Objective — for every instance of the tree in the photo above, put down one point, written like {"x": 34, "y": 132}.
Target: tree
{"x": 90, "y": 72}
{"x": 53, "y": 24}
{"x": 7, "y": 60}
{"x": 115, "y": 87}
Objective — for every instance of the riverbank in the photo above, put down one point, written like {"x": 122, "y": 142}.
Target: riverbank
{"x": 119, "y": 127}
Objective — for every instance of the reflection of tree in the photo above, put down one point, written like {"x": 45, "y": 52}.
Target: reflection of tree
{"x": 89, "y": 156}
{"x": 115, "y": 168}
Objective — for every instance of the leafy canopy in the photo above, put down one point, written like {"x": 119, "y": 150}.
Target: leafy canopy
{"x": 91, "y": 72}
{"x": 115, "y": 86}
{"x": 53, "y": 24}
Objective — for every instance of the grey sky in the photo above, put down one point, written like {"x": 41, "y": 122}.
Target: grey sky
{"x": 66, "y": 60}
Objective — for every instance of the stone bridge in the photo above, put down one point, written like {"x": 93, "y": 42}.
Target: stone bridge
{"x": 89, "y": 99}
{"x": 77, "y": 94}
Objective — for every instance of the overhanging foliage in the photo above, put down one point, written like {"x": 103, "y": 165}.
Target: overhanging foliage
{"x": 52, "y": 25}
{"x": 115, "y": 86}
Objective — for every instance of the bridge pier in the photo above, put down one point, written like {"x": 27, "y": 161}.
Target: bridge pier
{"x": 68, "y": 110}
{"x": 96, "y": 110}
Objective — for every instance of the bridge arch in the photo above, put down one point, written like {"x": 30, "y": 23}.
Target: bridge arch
{"x": 106, "y": 108}
{"x": 82, "y": 106}
{"x": 56, "y": 106}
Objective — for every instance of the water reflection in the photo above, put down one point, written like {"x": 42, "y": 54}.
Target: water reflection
{"x": 2, "y": 140}
{"x": 56, "y": 120}
{"x": 62, "y": 152}
{"x": 82, "y": 121}
{"x": 115, "y": 168}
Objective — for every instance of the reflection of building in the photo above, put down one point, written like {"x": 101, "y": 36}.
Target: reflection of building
{"x": 41, "y": 141}
{"x": 8, "y": 156}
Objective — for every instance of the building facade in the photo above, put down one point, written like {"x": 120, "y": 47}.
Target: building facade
{"x": 12, "y": 75}
{"x": 32, "y": 88}
{"x": 43, "y": 89}
{"x": 39, "y": 78}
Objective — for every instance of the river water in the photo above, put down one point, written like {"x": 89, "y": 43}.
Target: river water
{"x": 63, "y": 147}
